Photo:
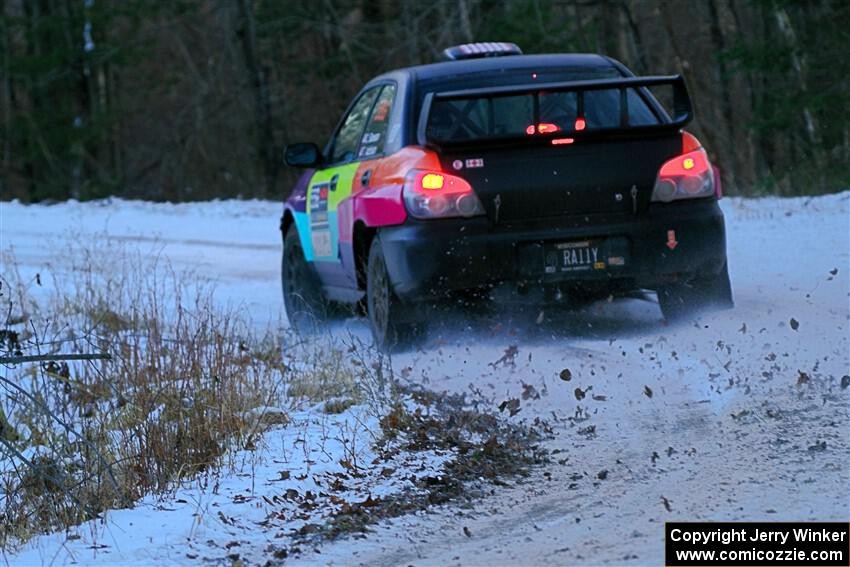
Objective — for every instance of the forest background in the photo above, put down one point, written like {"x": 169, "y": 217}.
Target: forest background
{"x": 195, "y": 99}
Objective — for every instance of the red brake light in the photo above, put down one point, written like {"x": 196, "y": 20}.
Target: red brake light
{"x": 580, "y": 124}
{"x": 542, "y": 128}
{"x": 685, "y": 176}
{"x": 431, "y": 194}
{"x": 689, "y": 164}
{"x": 689, "y": 142}
{"x": 559, "y": 141}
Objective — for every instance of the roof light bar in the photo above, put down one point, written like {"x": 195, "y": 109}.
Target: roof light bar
{"x": 484, "y": 49}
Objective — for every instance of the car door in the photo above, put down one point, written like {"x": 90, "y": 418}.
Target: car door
{"x": 357, "y": 140}
{"x": 334, "y": 182}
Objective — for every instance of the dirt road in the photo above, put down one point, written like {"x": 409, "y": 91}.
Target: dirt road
{"x": 731, "y": 416}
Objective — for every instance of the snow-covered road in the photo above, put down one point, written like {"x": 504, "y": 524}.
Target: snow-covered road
{"x": 705, "y": 420}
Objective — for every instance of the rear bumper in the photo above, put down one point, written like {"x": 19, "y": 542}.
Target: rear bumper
{"x": 428, "y": 259}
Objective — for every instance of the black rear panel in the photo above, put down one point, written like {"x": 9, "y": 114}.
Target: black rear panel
{"x": 525, "y": 182}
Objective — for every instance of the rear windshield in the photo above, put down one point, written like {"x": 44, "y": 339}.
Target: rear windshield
{"x": 501, "y": 116}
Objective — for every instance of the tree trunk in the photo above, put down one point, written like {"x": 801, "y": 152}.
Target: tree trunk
{"x": 8, "y": 103}
{"x": 637, "y": 42}
{"x": 798, "y": 62}
{"x": 262, "y": 101}
{"x": 465, "y": 25}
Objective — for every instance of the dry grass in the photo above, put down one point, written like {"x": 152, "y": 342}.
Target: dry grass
{"x": 326, "y": 375}
{"x": 182, "y": 388}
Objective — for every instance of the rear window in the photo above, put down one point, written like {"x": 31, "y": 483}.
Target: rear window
{"x": 503, "y": 116}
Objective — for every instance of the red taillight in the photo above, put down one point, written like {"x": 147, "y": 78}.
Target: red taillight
{"x": 686, "y": 165}
{"x": 542, "y": 128}
{"x": 689, "y": 142}
{"x": 580, "y": 124}
{"x": 432, "y": 194}
{"x": 686, "y": 176}
{"x": 560, "y": 141}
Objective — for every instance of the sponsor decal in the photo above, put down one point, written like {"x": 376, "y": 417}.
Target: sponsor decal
{"x": 371, "y": 138}
{"x": 457, "y": 164}
{"x": 320, "y": 235}
{"x": 381, "y": 111}
{"x": 476, "y": 162}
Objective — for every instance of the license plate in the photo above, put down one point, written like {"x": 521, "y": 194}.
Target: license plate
{"x": 586, "y": 255}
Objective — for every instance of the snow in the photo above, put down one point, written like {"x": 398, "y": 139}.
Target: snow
{"x": 744, "y": 436}
{"x": 245, "y": 509}
{"x": 236, "y": 244}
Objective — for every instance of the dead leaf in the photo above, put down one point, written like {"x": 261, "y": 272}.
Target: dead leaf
{"x": 803, "y": 378}
{"x": 602, "y": 475}
{"x": 529, "y": 392}
{"x": 648, "y": 391}
{"x": 512, "y": 405}
{"x": 833, "y": 271}
{"x": 740, "y": 414}
{"x": 369, "y": 502}
{"x": 666, "y": 504}
{"x": 566, "y": 375}
{"x": 845, "y": 382}
{"x": 579, "y": 393}
{"x": 466, "y": 532}
{"x": 794, "y": 324}
{"x": 508, "y": 358}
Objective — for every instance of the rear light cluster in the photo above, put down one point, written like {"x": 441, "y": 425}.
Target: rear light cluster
{"x": 433, "y": 194}
{"x": 686, "y": 176}
{"x": 548, "y": 128}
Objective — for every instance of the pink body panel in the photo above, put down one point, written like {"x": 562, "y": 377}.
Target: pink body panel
{"x": 382, "y": 206}
{"x": 382, "y": 203}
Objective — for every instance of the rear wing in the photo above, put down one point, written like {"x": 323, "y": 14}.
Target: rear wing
{"x": 682, "y": 108}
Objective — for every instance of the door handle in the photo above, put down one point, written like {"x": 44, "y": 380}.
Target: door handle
{"x": 365, "y": 178}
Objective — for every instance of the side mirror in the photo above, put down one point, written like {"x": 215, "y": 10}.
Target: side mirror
{"x": 304, "y": 154}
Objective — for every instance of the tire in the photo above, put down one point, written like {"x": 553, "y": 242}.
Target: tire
{"x": 679, "y": 300}
{"x": 391, "y": 322}
{"x": 306, "y": 307}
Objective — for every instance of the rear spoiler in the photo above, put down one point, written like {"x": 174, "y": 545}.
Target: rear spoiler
{"x": 682, "y": 108}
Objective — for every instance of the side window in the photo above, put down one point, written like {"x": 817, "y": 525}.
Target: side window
{"x": 348, "y": 138}
{"x": 375, "y": 136}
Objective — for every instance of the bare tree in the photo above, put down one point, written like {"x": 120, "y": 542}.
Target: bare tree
{"x": 262, "y": 102}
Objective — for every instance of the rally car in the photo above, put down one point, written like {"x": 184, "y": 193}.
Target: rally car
{"x": 536, "y": 178}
